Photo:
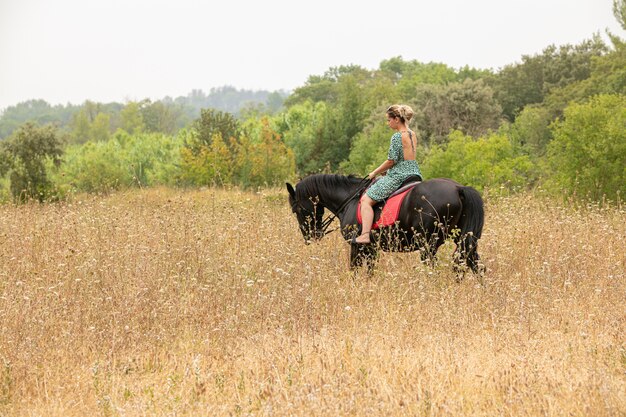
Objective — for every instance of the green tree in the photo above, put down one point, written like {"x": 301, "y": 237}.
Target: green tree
{"x": 100, "y": 129}
{"x": 271, "y": 160}
{"x": 588, "y": 151}
{"x": 220, "y": 162}
{"x": 619, "y": 11}
{"x": 159, "y": 117}
{"x": 274, "y": 102}
{"x": 335, "y": 107}
{"x": 131, "y": 118}
{"x": 531, "y": 131}
{"x": 468, "y": 106}
{"x": 528, "y": 82}
{"x": 487, "y": 162}
{"x": 607, "y": 76}
{"x": 303, "y": 128}
{"x": 37, "y": 111}
{"x": 325, "y": 88}
{"x": 122, "y": 161}
{"x": 25, "y": 154}
{"x": 342, "y": 123}
{"x": 371, "y": 146}
{"x": 210, "y": 124}
{"x": 81, "y": 127}
{"x": 95, "y": 167}
{"x": 209, "y": 165}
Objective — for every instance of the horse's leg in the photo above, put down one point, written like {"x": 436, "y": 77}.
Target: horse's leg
{"x": 361, "y": 255}
{"x": 370, "y": 258}
{"x": 355, "y": 260}
{"x": 429, "y": 247}
{"x": 466, "y": 255}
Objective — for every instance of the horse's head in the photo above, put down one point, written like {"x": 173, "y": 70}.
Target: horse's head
{"x": 309, "y": 213}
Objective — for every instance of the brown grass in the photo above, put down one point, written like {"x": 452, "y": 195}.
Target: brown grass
{"x": 163, "y": 302}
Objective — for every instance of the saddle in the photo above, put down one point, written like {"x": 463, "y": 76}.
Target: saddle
{"x": 386, "y": 212}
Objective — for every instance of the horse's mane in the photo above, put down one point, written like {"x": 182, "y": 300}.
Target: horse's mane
{"x": 313, "y": 183}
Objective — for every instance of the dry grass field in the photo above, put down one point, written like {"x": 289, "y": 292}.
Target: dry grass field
{"x": 164, "y": 302}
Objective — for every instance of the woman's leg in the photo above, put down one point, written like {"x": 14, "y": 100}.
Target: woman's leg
{"x": 367, "y": 218}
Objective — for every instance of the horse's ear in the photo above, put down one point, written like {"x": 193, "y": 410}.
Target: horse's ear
{"x": 291, "y": 191}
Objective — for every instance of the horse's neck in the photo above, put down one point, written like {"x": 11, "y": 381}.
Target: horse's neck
{"x": 333, "y": 199}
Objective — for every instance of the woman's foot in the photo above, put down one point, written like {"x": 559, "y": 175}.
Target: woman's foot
{"x": 363, "y": 239}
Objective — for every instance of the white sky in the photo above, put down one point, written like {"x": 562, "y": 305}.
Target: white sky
{"x": 116, "y": 50}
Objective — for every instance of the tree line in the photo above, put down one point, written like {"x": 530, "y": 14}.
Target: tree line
{"x": 556, "y": 119}
{"x": 91, "y": 120}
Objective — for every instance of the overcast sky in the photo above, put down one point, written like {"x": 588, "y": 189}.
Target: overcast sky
{"x": 117, "y": 50}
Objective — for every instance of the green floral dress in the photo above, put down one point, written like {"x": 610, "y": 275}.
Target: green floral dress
{"x": 398, "y": 173}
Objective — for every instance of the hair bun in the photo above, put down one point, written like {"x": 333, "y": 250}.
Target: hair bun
{"x": 402, "y": 111}
{"x": 406, "y": 112}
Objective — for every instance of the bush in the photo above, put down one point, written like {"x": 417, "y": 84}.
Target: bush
{"x": 588, "y": 151}
{"x": 487, "y": 162}
{"x": 123, "y": 161}
{"x": 24, "y": 155}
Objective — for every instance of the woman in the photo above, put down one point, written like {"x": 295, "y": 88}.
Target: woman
{"x": 399, "y": 166}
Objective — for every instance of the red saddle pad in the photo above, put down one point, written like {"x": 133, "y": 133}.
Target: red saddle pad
{"x": 389, "y": 213}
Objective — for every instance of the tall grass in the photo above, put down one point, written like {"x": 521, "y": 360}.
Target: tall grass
{"x": 161, "y": 302}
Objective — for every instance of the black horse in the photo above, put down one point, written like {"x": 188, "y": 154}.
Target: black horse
{"x": 431, "y": 212}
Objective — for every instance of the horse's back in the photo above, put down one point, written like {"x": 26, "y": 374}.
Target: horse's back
{"x": 436, "y": 198}
{"x": 437, "y": 190}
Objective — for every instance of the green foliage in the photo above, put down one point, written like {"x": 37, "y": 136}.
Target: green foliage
{"x": 518, "y": 85}
{"x": 335, "y": 121}
{"x": 207, "y": 154}
{"x": 531, "y": 131}
{"x": 325, "y": 116}
{"x": 131, "y": 118}
{"x": 24, "y": 155}
{"x": 317, "y": 137}
{"x": 256, "y": 157}
{"x": 94, "y": 167}
{"x": 589, "y": 148}
{"x": 81, "y": 127}
{"x": 209, "y": 165}
{"x": 619, "y": 11}
{"x": 468, "y": 106}
{"x": 123, "y": 161}
{"x": 101, "y": 127}
{"x": 326, "y": 88}
{"x": 213, "y": 123}
{"x": 5, "y": 190}
{"x": 265, "y": 160}
{"x": 37, "y": 111}
{"x": 487, "y": 162}
{"x": 303, "y": 128}
{"x": 159, "y": 117}
{"x": 416, "y": 74}
{"x": 369, "y": 150}
{"x": 166, "y": 116}
{"x": 608, "y": 76}
{"x": 92, "y": 121}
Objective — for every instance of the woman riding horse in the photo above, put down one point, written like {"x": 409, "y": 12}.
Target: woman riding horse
{"x": 399, "y": 166}
{"x": 430, "y": 212}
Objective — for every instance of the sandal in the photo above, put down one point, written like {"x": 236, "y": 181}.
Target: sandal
{"x": 354, "y": 242}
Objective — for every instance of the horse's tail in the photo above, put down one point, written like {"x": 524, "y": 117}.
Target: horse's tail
{"x": 471, "y": 224}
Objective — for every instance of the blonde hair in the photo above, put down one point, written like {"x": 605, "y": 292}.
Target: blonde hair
{"x": 404, "y": 112}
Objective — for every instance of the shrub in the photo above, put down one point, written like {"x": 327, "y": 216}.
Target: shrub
{"x": 487, "y": 162}
{"x": 588, "y": 151}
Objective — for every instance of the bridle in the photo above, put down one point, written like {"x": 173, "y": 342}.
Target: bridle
{"x": 365, "y": 181}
